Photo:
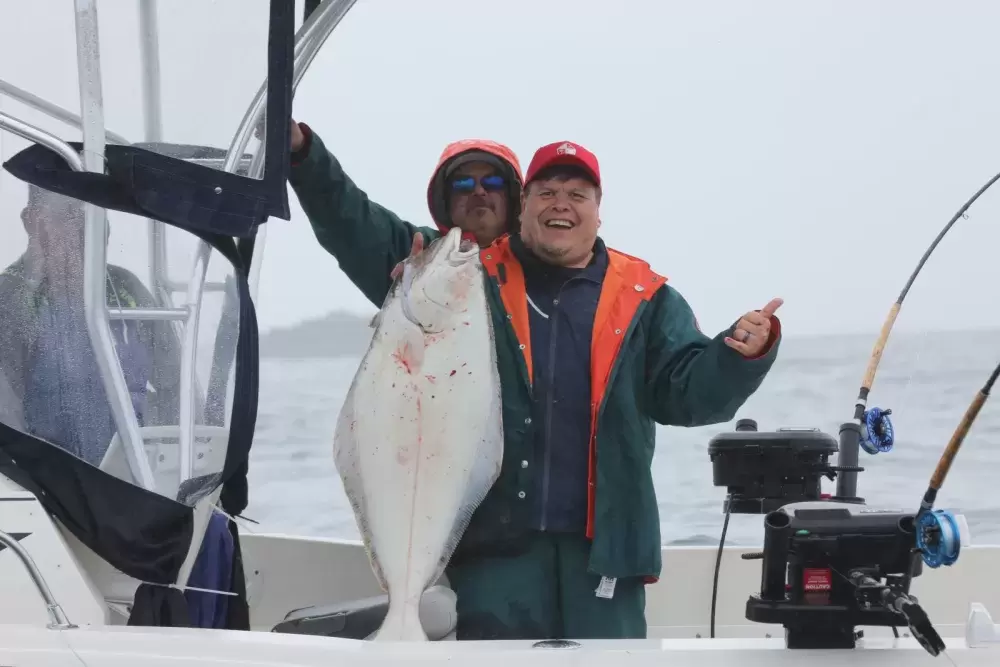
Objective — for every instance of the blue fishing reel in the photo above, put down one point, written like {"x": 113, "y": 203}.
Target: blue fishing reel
{"x": 877, "y": 434}
{"x": 938, "y": 537}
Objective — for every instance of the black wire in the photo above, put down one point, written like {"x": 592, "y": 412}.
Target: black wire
{"x": 718, "y": 562}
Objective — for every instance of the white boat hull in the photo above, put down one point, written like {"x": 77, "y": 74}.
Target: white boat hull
{"x": 286, "y": 573}
{"x": 30, "y": 646}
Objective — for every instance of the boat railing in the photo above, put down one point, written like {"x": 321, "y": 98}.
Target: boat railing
{"x": 57, "y": 617}
{"x": 53, "y": 110}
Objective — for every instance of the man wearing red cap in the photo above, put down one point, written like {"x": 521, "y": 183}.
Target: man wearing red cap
{"x": 594, "y": 349}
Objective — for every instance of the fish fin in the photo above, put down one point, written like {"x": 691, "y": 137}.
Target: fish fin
{"x": 401, "y": 623}
{"x": 485, "y": 469}
{"x": 392, "y": 293}
{"x": 347, "y": 461}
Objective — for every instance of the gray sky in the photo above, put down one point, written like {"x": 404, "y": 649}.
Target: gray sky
{"x": 749, "y": 150}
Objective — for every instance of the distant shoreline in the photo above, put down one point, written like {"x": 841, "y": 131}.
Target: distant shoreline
{"x": 337, "y": 334}
{"x": 343, "y": 334}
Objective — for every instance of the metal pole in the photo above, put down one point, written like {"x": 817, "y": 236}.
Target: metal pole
{"x": 152, "y": 108}
{"x": 149, "y": 314}
{"x": 58, "y": 618}
{"x": 310, "y": 38}
{"x": 320, "y": 21}
{"x": 153, "y": 123}
{"x": 189, "y": 349}
{"x": 95, "y": 245}
{"x": 319, "y": 24}
{"x": 39, "y": 136}
{"x": 53, "y": 110}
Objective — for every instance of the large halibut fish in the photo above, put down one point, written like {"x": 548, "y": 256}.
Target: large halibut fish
{"x": 419, "y": 440}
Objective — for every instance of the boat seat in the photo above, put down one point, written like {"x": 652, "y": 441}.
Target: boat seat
{"x": 360, "y": 619}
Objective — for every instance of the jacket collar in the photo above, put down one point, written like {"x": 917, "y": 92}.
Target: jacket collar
{"x": 536, "y": 268}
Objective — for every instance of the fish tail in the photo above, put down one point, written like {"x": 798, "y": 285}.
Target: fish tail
{"x": 402, "y": 623}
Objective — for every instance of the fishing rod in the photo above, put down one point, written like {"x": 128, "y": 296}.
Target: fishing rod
{"x": 937, "y": 530}
{"x": 871, "y": 429}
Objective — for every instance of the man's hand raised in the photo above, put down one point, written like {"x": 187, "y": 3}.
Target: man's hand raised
{"x": 754, "y": 330}
{"x": 298, "y": 138}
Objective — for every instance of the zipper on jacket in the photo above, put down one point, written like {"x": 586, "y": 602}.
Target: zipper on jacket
{"x": 617, "y": 365}
{"x": 604, "y": 400}
{"x": 548, "y": 410}
{"x": 509, "y": 326}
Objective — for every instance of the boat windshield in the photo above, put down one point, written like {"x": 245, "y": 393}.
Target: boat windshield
{"x": 52, "y": 383}
{"x": 150, "y": 369}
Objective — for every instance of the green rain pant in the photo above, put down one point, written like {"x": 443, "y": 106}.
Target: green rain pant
{"x": 544, "y": 592}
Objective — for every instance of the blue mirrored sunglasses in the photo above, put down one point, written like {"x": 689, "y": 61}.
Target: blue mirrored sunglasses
{"x": 467, "y": 184}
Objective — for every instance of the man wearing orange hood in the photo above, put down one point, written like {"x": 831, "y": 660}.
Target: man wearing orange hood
{"x": 476, "y": 186}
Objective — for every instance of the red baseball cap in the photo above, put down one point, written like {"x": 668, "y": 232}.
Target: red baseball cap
{"x": 564, "y": 152}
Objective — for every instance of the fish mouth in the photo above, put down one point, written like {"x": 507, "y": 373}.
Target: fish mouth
{"x": 464, "y": 253}
{"x": 462, "y": 250}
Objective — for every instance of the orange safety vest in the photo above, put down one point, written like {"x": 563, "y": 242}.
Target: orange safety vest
{"x": 628, "y": 282}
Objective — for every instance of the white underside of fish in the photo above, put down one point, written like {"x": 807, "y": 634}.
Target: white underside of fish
{"x": 418, "y": 445}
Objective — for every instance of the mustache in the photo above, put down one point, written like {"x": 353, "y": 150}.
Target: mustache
{"x": 475, "y": 202}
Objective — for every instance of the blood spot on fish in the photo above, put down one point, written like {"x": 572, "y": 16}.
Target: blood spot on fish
{"x": 431, "y": 378}
{"x": 452, "y": 373}
{"x": 404, "y": 357}
{"x": 460, "y": 289}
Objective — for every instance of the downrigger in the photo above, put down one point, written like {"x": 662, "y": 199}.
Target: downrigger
{"x": 830, "y": 564}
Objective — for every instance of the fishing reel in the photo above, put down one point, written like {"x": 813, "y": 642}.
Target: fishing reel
{"x": 939, "y": 537}
{"x": 877, "y": 433}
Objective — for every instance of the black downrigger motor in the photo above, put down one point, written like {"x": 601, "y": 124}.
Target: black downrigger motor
{"x": 830, "y": 563}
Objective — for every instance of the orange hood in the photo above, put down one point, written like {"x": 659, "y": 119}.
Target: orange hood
{"x": 504, "y": 157}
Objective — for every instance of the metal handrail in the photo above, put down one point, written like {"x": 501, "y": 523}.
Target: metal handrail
{"x": 311, "y": 36}
{"x": 52, "y": 110}
{"x": 40, "y": 136}
{"x": 95, "y": 246}
{"x": 189, "y": 350}
{"x": 57, "y": 617}
{"x": 309, "y": 40}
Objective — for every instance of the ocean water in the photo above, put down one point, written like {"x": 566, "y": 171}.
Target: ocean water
{"x": 928, "y": 380}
